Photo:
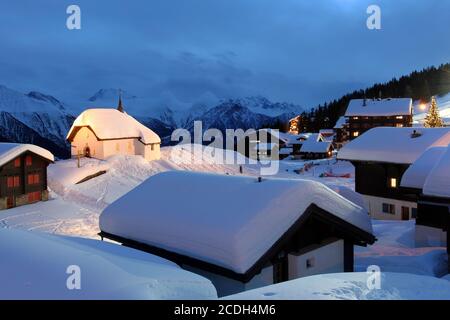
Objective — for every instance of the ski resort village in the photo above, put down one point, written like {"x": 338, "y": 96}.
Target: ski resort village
{"x": 214, "y": 152}
{"x": 367, "y": 197}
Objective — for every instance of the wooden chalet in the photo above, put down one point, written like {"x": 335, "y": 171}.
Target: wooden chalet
{"x": 365, "y": 114}
{"x": 316, "y": 147}
{"x": 429, "y": 178}
{"x": 381, "y": 157}
{"x": 340, "y": 132}
{"x": 243, "y": 232}
{"x": 261, "y": 144}
{"x": 23, "y": 174}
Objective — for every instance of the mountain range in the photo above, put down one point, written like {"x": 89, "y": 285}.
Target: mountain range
{"x": 44, "y": 120}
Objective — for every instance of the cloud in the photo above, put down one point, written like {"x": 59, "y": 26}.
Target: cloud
{"x": 292, "y": 50}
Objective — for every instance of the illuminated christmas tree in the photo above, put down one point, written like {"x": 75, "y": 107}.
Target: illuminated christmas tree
{"x": 433, "y": 119}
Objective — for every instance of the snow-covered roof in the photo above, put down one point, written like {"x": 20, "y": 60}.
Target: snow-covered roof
{"x": 34, "y": 265}
{"x": 264, "y": 146}
{"x": 113, "y": 124}
{"x": 340, "y": 123}
{"x": 417, "y": 173}
{"x": 9, "y": 151}
{"x": 291, "y": 139}
{"x": 316, "y": 143}
{"x": 286, "y": 151}
{"x": 437, "y": 183}
{"x": 394, "y": 145}
{"x": 379, "y": 107}
{"x": 229, "y": 221}
{"x": 326, "y": 131}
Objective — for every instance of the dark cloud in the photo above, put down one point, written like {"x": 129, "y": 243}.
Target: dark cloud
{"x": 295, "y": 50}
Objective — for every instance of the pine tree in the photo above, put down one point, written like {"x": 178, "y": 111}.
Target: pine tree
{"x": 433, "y": 119}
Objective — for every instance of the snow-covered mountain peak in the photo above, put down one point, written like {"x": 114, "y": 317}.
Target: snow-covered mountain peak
{"x": 47, "y": 98}
{"x": 262, "y": 105}
{"x": 16, "y": 102}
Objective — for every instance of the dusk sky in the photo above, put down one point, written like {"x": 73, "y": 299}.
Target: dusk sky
{"x": 301, "y": 51}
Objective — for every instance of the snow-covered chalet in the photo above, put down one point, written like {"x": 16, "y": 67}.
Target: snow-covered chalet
{"x": 429, "y": 177}
{"x": 381, "y": 157}
{"x": 240, "y": 232}
{"x": 101, "y": 133}
{"x": 23, "y": 174}
{"x": 364, "y": 114}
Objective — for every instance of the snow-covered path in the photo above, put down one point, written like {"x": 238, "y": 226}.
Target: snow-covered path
{"x": 395, "y": 251}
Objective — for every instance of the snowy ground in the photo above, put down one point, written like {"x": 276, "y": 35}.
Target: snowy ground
{"x": 38, "y": 266}
{"x": 353, "y": 286}
{"x": 74, "y": 209}
{"x": 395, "y": 251}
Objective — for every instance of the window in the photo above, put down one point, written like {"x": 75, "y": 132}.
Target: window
{"x": 356, "y": 134}
{"x": 33, "y": 178}
{"x": 399, "y": 117}
{"x": 355, "y": 118}
{"x": 413, "y": 213}
{"x": 393, "y": 182}
{"x": 129, "y": 146}
{"x": 17, "y": 162}
{"x": 152, "y": 147}
{"x": 310, "y": 263}
{"x": 280, "y": 271}
{"x": 117, "y": 147}
{"x": 399, "y": 125}
{"x": 34, "y": 196}
{"x": 388, "y": 208}
{"x": 13, "y": 181}
{"x": 28, "y": 160}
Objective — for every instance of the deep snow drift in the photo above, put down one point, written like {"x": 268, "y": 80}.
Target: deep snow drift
{"x": 352, "y": 286}
{"x": 35, "y": 266}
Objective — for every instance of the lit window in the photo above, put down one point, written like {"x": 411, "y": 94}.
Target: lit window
{"x": 17, "y": 162}
{"x": 355, "y": 118}
{"x": 28, "y": 160}
{"x": 117, "y": 147}
{"x": 356, "y": 133}
{"x": 399, "y": 125}
{"x": 399, "y": 117}
{"x": 393, "y": 183}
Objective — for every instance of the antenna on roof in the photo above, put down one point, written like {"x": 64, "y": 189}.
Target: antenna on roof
{"x": 120, "y": 106}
